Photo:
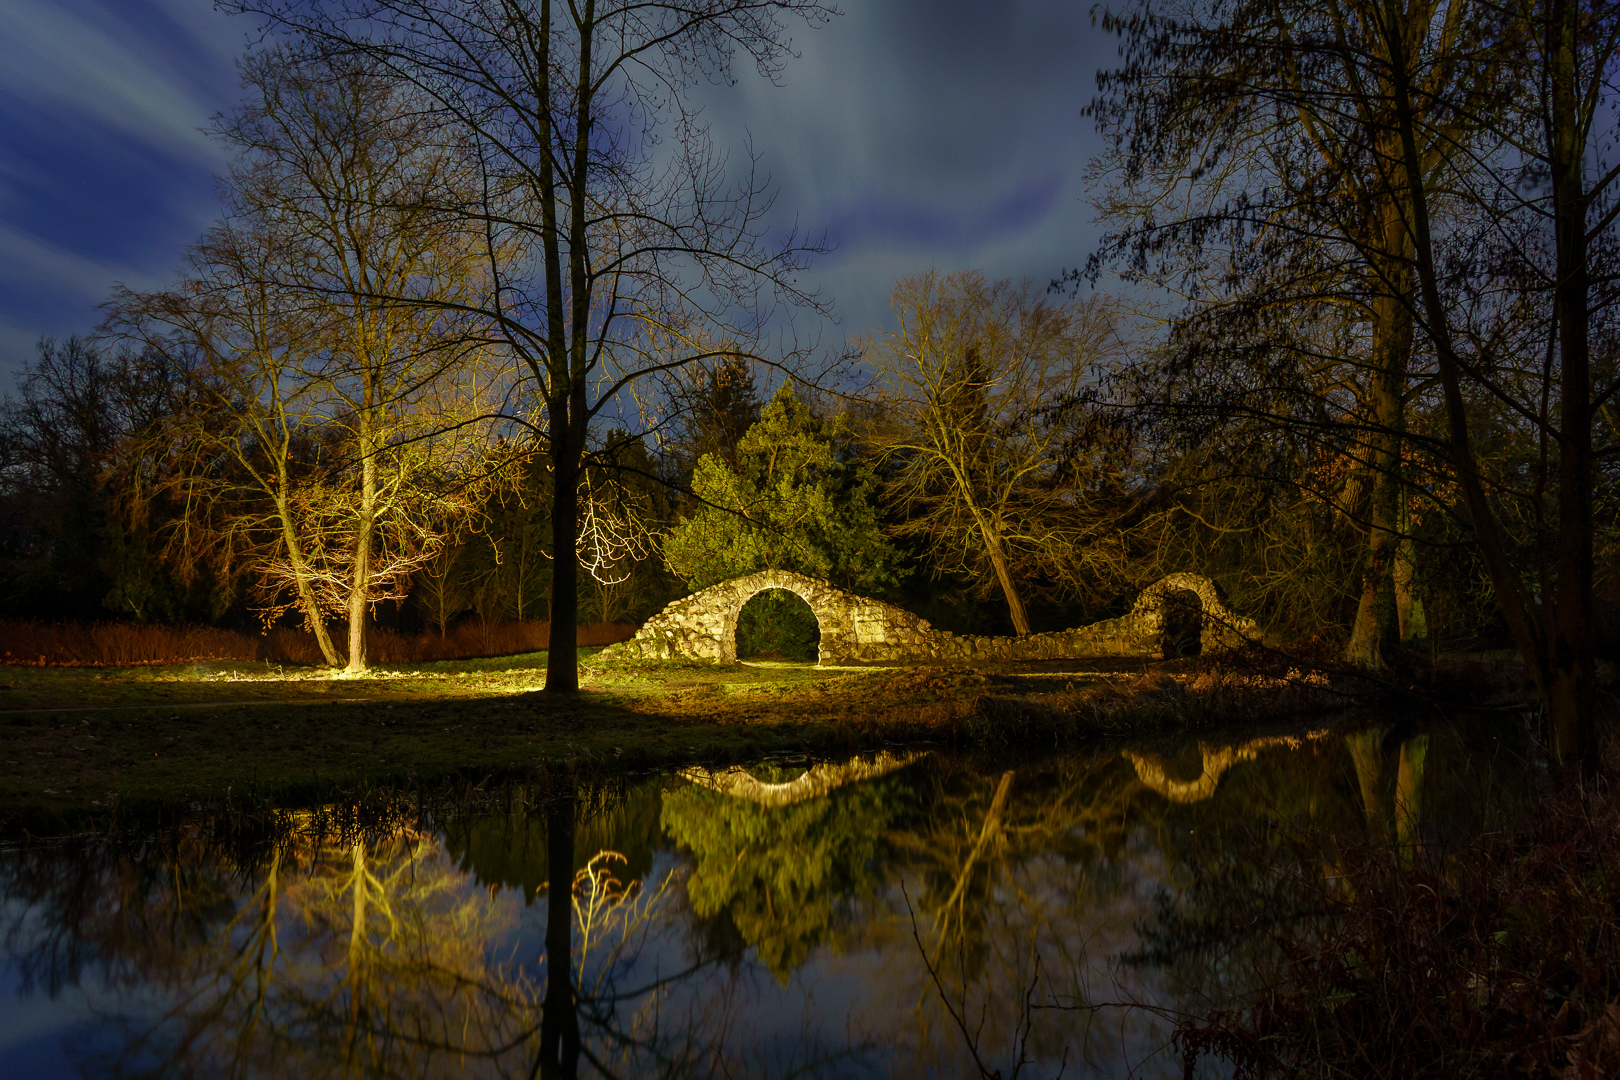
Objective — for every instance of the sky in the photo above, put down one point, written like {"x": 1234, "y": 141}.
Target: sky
{"x": 915, "y": 133}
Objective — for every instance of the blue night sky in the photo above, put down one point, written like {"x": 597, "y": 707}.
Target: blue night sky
{"x": 915, "y": 132}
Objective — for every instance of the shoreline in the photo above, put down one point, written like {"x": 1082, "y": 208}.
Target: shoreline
{"x": 217, "y": 737}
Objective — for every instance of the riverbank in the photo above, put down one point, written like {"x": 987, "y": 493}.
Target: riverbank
{"x": 81, "y": 745}
{"x": 1480, "y": 918}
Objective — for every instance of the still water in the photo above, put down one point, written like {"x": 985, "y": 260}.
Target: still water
{"x": 911, "y": 915}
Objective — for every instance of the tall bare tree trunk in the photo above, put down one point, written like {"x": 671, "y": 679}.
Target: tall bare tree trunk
{"x": 562, "y": 666}
{"x": 565, "y": 359}
{"x": 998, "y": 561}
{"x": 360, "y": 583}
{"x": 1571, "y": 678}
{"x": 1409, "y": 611}
{"x": 1554, "y": 637}
{"x": 1377, "y": 626}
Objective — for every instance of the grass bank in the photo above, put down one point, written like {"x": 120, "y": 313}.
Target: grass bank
{"x": 115, "y": 644}
{"x": 80, "y": 745}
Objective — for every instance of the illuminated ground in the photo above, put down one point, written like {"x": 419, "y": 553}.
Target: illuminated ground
{"x": 88, "y": 740}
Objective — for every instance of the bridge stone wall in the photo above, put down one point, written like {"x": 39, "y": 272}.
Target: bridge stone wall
{"x": 859, "y": 630}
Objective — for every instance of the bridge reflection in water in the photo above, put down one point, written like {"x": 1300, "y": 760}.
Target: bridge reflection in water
{"x": 832, "y": 920}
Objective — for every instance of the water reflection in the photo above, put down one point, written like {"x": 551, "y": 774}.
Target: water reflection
{"x": 895, "y": 915}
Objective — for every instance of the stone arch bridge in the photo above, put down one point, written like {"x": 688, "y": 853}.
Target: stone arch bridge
{"x": 859, "y": 630}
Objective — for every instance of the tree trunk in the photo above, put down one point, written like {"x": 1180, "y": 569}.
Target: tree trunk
{"x": 565, "y": 359}
{"x": 1554, "y": 636}
{"x": 1414, "y": 621}
{"x": 306, "y": 592}
{"x": 998, "y": 560}
{"x": 360, "y": 584}
{"x": 1571, "y": 678}
{"x": 1377, "y": 626}
{"x": 562, "y": 662}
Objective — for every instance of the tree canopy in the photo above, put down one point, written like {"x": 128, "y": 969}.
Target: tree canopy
{"x": 801, "y": 497}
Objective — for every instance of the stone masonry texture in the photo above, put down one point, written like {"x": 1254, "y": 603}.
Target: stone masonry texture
{"x": 858, "y": 630}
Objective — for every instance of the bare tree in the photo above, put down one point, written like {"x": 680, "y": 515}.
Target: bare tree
{"x": 615, "y": 256}
{"x": 321, "y": 328}
{"x": 356, "y": 167}
{"x": 1256, "y": 161}
{"x": 973, "y": 390}
{"x": 239, "y": 457}
{"x": 1554, "y": 174}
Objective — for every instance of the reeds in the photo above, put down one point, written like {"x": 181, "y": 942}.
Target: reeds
{"x": 124, "y": 644}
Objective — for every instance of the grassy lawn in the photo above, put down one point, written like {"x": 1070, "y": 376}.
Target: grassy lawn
{"x": 87, "y": 741}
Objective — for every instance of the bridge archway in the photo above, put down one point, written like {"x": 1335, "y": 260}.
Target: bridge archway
{"x": 727, "y": 602}
{"x": 777, "y": 623}
{"x": 1166, "y": 622}
{"x": 861, "y": 630}
{"x": 704, "y": 625}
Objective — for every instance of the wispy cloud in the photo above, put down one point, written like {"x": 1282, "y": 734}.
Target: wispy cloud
{"x": 34, "y": 265}
{"x": 925, "y": 133}
{"x": 86, "y": 61}
{"x": 916, "y": 132}
{"x": 106, "y": 172}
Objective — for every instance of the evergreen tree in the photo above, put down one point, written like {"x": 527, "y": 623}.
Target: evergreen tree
{"x": 798, "y": 498}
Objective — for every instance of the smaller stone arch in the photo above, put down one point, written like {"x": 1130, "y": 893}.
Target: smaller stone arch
{"x": 1182, "y": 621}
{"x": 1150, "y": 768}
{"x": 1222, "y": 628}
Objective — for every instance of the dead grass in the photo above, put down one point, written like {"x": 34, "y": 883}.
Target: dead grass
{"x": 37, "y": 644}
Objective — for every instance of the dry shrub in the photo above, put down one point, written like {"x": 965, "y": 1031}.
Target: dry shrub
{"x": 119, "y": 644}
{"x": 285, "y": 646}
{"x": 124, "y": 644}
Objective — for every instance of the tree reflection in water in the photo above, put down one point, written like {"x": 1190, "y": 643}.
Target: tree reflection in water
{"x": 354, "y": 954}
{"x": 365, "y": 952}
{"x": 1073, "y": 909}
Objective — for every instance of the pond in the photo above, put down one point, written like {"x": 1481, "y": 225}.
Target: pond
{"x": 911, "y": 914}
